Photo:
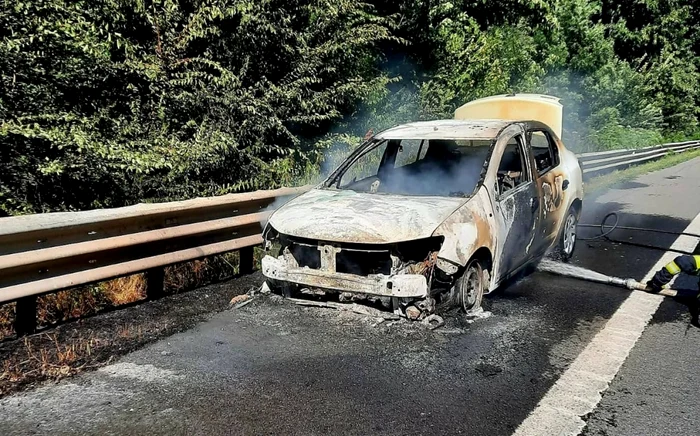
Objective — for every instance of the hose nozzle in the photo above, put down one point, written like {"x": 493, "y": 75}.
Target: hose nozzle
{"x": 634, "y": 285}
{"x": 630, "y": 284}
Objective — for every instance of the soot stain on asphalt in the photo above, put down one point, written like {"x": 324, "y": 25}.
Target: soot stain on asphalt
{"x": 276, "y": 350}
{"x": 488, "y": 369}
{"x": 101, "y": 339}
{"x": 461, "y": 345}
{"x": 397, "y": 369}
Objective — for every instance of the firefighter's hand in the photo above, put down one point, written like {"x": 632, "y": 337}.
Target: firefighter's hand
{"x": 654, "y": 286}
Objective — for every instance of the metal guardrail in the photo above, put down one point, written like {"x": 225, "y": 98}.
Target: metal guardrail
{"x": 45, "y": 253}
{"x": 600, "y": 162}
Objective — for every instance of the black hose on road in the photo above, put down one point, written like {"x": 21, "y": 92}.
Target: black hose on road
{"x": 614, "y": 226}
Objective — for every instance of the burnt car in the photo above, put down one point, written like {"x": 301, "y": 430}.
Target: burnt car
{"x": 431, "y": 212}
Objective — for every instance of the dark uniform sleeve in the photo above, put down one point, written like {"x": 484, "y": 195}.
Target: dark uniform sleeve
{"x": 682, "y": 264}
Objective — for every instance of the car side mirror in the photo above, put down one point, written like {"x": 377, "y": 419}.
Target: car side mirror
{"x": 565, "y": 185}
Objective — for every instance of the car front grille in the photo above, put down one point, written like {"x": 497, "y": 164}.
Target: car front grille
{"x": 354, "y": 259}
{"x": 306, "y": 255}
{"x": 363, "y": 263}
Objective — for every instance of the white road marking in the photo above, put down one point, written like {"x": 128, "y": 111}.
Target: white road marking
{"x": 579, "y": 390}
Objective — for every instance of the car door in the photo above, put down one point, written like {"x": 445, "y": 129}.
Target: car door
{"x": 550, "y": 181}
{"x": 517, "y": 203}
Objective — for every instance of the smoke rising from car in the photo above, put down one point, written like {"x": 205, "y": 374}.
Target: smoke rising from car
{"x": 445, "y": 170}
{"x": 333, "y": 157}
{"x": 456, "y": 179}
{"x": 279, "y": 202}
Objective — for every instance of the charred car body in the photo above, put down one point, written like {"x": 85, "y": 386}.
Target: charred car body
{"x": 431, "y": 212}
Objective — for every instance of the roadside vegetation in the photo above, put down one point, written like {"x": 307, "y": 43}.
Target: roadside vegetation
{"x": 107, "y": 103}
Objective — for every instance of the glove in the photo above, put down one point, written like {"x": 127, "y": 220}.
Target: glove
{"x": 654, "y": 286}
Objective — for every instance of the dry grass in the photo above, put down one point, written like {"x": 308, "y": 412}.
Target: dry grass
{"x": 65, "y": 305}
{"x": 46, "y": 357}
{"x": 129, "y": 331}
{"x": 48, "y": 362}
{"x": 186, "y": 276}
{"x": 125, "y": 290}
{"x": 80, "y": 302}
{"x": 7, "y": 317}
{"x": 198, "y": 273}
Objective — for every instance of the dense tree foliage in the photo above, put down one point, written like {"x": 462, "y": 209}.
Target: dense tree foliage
{"x": 109, "y": 102}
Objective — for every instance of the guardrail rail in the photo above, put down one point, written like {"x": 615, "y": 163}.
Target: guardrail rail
{"x": 45, "y": 253}
{"x": 597, "y": 163}
{"x": 50, "y": 252}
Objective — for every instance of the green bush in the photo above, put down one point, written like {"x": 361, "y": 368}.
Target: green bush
{"x": 105, "y": 103}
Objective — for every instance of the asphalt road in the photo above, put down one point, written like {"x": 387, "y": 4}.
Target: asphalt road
{"x": 276, "y": 368}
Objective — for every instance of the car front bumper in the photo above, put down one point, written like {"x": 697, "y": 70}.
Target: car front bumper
{"x": 399, "y": 285}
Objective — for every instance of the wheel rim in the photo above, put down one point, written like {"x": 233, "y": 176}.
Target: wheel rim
{"x": 569, "y": 234}
{"x": 471, "y": 287}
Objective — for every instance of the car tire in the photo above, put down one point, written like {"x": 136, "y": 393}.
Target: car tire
{"x": 469, "y": 288}
{"x": 567, "y": 239}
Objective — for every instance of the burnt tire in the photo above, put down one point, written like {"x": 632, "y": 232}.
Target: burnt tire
{"x": 567, "y": 238}
{"x": 469, "y": 287}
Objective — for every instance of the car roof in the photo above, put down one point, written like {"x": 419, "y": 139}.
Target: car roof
{"x": 447, "y": 129}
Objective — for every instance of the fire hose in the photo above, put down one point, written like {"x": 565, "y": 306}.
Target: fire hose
{"x": 605, "y": 230}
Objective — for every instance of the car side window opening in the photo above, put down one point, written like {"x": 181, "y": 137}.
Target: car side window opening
{"x": 409, "y": 151}
{"x": 544, "y": 151}
{"x": 365, "y": 170}
{"x": 512, "y": 170}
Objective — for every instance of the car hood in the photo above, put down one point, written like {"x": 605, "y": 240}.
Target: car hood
{"x": 349, "y": 216}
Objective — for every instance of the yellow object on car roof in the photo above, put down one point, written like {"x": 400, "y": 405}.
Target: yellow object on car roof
{"x": 516, "y": 107}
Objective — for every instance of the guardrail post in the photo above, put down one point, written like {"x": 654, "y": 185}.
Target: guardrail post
{"x": 25, "y": 316}
{"x": 246, "y": 260}
{"x": 155, "y": 283}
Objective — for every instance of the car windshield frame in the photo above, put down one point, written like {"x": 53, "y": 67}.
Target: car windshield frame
{"x": 332, "y": 182}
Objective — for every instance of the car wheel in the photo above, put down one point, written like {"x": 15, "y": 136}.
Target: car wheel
{"x": 469, "y": 288}
{"x": 567, "y": 239}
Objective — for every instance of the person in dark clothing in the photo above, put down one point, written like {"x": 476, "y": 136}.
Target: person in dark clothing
{"x": 686, "y": 264}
